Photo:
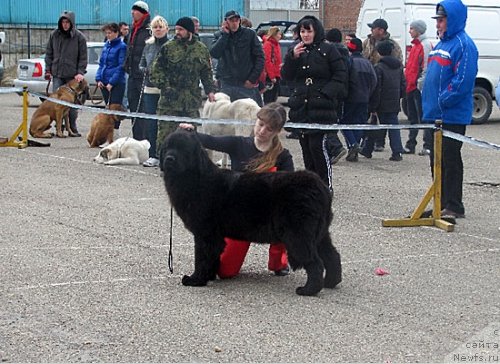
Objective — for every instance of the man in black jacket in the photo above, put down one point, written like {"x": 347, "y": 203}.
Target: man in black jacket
{"x": 241, "y": 59}
{"x": 136, "y": 42}
{"x": 66, "y": 58}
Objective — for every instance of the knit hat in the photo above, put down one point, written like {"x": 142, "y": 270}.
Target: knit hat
{"x": 355, "y": 45}
{"x": 419, "y": 26}
{"x": 141, "y": 6}
{"x": 187, "y": 23}
{"x": 379, "y": 23}
{"x": 334, "y": 35}
{"x": 384, "y": 47}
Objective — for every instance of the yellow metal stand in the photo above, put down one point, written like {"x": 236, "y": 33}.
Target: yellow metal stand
{"x": 22, "y": 129}
{"x": 434, "y": 192}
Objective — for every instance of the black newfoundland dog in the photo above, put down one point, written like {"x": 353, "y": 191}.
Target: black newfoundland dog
{"x": 289, "y": 207}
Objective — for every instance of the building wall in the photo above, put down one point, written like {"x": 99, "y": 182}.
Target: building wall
{"x": 274, "y": 4}
{"x": 341, "y": 14}
{"x": 98, "y": 12}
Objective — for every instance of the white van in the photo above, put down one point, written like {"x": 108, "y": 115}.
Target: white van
{"x": 483, "y": 26}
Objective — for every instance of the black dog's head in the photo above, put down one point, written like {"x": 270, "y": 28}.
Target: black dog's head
{"x": 182, "y": 152}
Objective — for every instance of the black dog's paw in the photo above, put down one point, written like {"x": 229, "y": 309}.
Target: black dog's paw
{"x": 193, "y": 281}
{"x": 332, "y": 283}
{"x": 307, "y": 291}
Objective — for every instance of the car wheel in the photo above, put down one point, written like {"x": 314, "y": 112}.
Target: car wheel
{"x": 482, "y": 106}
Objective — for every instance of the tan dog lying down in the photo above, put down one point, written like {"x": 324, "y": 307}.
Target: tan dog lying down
{"x": 124, "y": 151}
{"x": 49, "y": 111}
{"x": 102, "y": 126}
{"x": 223, "y": 108}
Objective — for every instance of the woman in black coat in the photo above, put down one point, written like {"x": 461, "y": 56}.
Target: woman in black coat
{"x": 320, "y": 77}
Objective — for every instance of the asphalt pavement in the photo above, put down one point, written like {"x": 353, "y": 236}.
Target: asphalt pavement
{"x": 84, "y": 274}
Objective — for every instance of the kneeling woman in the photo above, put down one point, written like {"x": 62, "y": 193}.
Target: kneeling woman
{"x": 261, "y": 152}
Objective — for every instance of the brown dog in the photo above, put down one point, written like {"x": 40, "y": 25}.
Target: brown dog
{"x": 101, "y": 128}
{"x": 49, "y": 111}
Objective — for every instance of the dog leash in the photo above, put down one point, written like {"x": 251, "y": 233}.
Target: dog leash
{"x": 93, "y": 98}
{"x": 48, "y": 85}
{"x": 143, "y": 84}
{"x": 170, "y": 255}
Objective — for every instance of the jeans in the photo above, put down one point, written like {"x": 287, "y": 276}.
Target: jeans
{"x": 150, "y": 105}
{"x": 134, "y": 91}
{"x": 388, "y": 118}
{"x": 115, "y": 96}
{"x": 73, "y": 113}
{"x": 241, "y": 92}
{"x": 452, "y": 170}
{"x": 414, "y": 103}
{"x": 354, "y": 113}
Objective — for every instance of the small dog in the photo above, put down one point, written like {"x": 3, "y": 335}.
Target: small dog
{"x": 223, "y": 108}
{"x": 102, "y": 126}
{"x": 124, "y": 151}
{"x": 48, "y": 111}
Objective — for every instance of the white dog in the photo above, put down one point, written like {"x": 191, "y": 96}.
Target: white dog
{"x": 124, "y": 151}
{"x": 223, "y": 108}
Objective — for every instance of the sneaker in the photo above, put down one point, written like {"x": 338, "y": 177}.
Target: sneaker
{"x": 397, "y": 157}
{"x": 424, "y": 152}
{"x": 426, "y": 213}
{"x": 282, "y": 272}
{"x": 340, "y": 152}
{"x": 104, "y": 145}
{"x": 352, "y": 155}
{"x": 151, "y": 162}
{"x": 75, "y": 135}
{"x": 378, "y": 148}
{"x": 365, "y": 154}
{"x": 220, "y": 163}
{"x": 407, "y": 150}
{"x": 449, "y": 213}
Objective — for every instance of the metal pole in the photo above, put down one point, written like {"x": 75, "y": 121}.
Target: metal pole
{"x": 438, "y": 146}
{"x": 24, "y": 141}
{"x": 29, "y": 40}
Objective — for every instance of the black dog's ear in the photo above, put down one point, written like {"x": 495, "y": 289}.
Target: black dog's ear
{"x": 201, "y": 155}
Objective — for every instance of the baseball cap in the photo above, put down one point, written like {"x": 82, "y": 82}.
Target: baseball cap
{"x": 231, "y": 14}
{"x": 440, "y": 12}
{"x": 379, "y": 23}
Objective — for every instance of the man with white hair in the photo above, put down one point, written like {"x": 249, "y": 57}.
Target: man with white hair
{"x": 415, "y": 70}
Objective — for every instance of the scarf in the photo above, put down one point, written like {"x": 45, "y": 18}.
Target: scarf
{"x": 136, "y": 25}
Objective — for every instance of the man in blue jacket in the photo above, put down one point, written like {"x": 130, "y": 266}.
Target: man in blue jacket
{"x": 447, "y": 96}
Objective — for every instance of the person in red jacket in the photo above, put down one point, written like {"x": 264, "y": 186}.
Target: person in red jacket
{"x": 262, "y": 152}
{"x": 272, "y": 64}
{"x": 416, "y": 66}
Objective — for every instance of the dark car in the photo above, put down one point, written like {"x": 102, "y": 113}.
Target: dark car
{"x": 285, "y": 87}
{"x": 286, "y": 27}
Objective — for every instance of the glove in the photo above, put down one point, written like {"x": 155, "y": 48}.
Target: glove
{"x": 48, "y": 76}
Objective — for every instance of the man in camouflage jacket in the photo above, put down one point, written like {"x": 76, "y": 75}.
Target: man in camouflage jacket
{"x": 180, "y": 65}
{"x": 379, "y": 33}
